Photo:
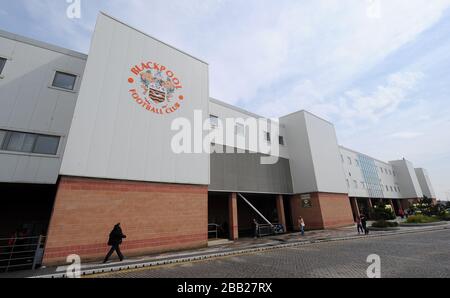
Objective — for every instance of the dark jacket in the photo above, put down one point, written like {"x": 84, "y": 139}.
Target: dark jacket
{"x": 116, "y": 236}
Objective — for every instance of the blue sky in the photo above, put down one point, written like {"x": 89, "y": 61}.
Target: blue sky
{"x": 379, "y": 70}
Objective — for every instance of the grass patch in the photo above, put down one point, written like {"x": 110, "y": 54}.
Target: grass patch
{"x": 419, "y": 218}
{"x": 384, "y": 224}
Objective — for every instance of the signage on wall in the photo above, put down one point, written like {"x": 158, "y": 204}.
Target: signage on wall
{"x": 156, "y": 88}
{"x": 306, "y": 201}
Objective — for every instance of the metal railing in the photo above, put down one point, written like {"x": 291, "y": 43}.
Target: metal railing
{"x": 269, "y": 230}
{"x": 213, "y": 229}
{"x": 21, "y": 253}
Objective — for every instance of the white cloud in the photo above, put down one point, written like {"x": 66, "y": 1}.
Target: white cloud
{"x": 275, "y": 57}
{"x": 356, "y": 106}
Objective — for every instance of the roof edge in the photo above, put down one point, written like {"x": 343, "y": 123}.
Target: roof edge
{"x": 148, "y": 35}
{"x": 41, "y": 44}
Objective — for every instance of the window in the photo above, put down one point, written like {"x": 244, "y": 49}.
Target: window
{"x": 393, "y": 173}
{"x": 2, "y": 137}
{"x": 46, "y": 145}
{"x": 64, "y": 80}
{"x": 2, "y": 64}
{"x": 281, "y": 140}
{"x": 392, "y": 189}
{"x": 342, "y": 158}
{"x": 390, "y": 172}
{"x": 357, "y": 162}
{"x": 349, "y": 160}
{"x": 387, "y": 188}
{"x": 240, "y": 129}
{"x": 363, "y": 185}
{"x": 213, "y": 121}
{"x": 355, "y": 183}
{"x": 268, "y": 137}
{"x": 348, "y": 183}
{"x": 28, "y": 142}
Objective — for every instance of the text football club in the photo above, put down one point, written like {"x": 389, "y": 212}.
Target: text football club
{"x": 156, "y": 88}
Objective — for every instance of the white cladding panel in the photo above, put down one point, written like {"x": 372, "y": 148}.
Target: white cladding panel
{"x": 389, "y": 182}
{"x": 112, "y": 136}
{"x": 407, "y": 179}
{"x": 314, "y": 154}
{"x": 325, "y": 155}
{"x": 28, "y": 103}
{"x": 224, "y": 111}
{"x": 357, "y": 184}
{"x": 425, "y": 183}
{"x": 301, "y": 163}
{"x": 355, "y": 181}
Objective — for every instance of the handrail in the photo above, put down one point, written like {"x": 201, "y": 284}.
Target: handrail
{"x": 215, "y": 231}
{"x": 272, "y": 229}
{"x": 255, "y": 209}
{"x": 22, "y": 252}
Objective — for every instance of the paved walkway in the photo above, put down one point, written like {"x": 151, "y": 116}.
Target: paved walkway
{"x": 241, "y": 246}
{"x": 409, "y": 255}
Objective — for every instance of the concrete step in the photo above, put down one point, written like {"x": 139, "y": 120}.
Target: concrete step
{"x": 219, "y": 242}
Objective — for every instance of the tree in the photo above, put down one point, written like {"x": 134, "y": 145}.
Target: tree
{"x": 382, "y": 212}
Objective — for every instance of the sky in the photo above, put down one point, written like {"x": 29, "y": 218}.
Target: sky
{"x": 377, "y": 69}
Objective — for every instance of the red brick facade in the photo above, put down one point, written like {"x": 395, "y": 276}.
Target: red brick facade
{"x": 327, "y": 210}
{"x": 155, "y": 217}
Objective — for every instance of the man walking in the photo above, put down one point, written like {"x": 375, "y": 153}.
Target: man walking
{"x": 364, "y": 224}
{"x": 115, "y": 239}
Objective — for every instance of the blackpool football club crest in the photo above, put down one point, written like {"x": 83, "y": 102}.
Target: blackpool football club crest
{"x": 156, "y": 88}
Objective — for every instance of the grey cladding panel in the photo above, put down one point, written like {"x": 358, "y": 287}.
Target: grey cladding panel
{"x": 244, "y": 172}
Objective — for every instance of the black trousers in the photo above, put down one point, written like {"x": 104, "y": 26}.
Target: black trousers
{"x": 360, "y": 228}
{"x": 115, "y": 248}
{"x": 366, "y": 230}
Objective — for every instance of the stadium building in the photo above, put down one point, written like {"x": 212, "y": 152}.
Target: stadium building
{"x": 86, "y": 141}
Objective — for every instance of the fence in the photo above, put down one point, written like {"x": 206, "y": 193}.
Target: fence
{"x": 213, "y": 231}
{"x": 21, "y": 253}
{"x": 268, "y": 230}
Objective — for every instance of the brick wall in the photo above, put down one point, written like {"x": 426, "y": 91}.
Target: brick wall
{"x": 336, "y": 210}
{"x": 328, "y": 211}
{"x": 155, "y": 217}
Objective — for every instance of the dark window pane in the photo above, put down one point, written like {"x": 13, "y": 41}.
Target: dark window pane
{"x": 2, "y": 64}
{"x": 15, "y": 142}
{"x": 281, "y": 140}
{"x": 213, "y": 121}
{"x": 19, "y": 142}
{"x": 64, "y": 80}
{"x": 2, "y": 137}
{"x": 46, "y": 145}
{"x": 28, "y": 143}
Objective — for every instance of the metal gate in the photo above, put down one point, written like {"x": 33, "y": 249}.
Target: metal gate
{"x": 265, "y": 229}
{"x": 21, "y": 253}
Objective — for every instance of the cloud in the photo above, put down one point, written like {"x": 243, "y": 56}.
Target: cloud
{"x": 275, "y": 57}
{"x": 356, "y": 106}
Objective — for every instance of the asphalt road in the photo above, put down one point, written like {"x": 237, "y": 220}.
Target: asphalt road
{"x": 424, "y": 254}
